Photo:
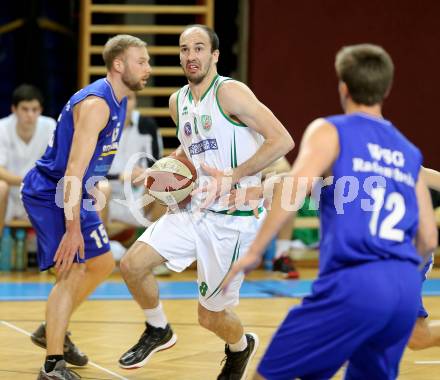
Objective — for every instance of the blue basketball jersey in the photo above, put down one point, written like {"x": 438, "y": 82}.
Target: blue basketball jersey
{"x": 54, "y": 161}
{"x": 370, "y": 210}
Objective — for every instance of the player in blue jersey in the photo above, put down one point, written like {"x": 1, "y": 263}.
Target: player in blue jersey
{"x": 57, "y": 196}
{"x": 375, "y": 205}
{"x": 426, "y": 334}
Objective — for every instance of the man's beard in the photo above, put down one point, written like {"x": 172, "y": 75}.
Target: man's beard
{"x": 199, "y": 79}
{"x": 130, "y": 82}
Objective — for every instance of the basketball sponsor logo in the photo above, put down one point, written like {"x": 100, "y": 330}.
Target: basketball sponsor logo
{"x": 113, "y": 146}
{"x": 206, "y": 122}
{"x": 203, "y": 146}
{"x": 187, "y": 128}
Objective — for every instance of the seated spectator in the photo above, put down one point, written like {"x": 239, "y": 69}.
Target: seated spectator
{"x": 24, "y": 136}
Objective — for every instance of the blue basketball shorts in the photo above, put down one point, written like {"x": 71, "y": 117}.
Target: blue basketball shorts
{"x": 426, "y": 269}
{"x": 49, "y": 223}
{"x": 362, "y": 314}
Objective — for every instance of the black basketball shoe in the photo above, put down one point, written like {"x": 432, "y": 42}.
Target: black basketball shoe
{"x": 152, "y": 340}
{"x": 72, "y": 354}
{"x": 237, "y": 363}
{"x": 284, "y": 264}
{"x": 60, "y": 372}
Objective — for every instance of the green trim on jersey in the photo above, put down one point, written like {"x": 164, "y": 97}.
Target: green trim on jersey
{"x": 234, "y": 259}
{"x": 232, "y": 157}
{"x": 221, "y": 109}
{"x": 210, "y": 86}
{"x": 233, "y": 153}
{"x": 207, "y": 90}
{"x": 234, "y": 163}
{"x": 239, "y": 212}
{"x": 177, "y": 123}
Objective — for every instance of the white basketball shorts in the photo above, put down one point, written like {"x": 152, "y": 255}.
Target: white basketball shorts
{"x": 215, "y": 240}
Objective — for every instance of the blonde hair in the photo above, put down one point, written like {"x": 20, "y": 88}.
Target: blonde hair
{"x": 117, "y": 45}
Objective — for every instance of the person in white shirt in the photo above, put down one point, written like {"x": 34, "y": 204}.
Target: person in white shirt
{"x": 24, "y": 136}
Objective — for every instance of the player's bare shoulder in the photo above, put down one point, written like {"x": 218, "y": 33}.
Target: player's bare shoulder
{"x": 321, "y": 129}
{"x": 236, "y": 98}
{"x": 93, "y": 104}
{"x": 93, "y": 111}
{"x": 320, "y": 123}
{"x": 231, "y": 88}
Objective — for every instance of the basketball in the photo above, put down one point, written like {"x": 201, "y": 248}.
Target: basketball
{"x": 171, "y": 180}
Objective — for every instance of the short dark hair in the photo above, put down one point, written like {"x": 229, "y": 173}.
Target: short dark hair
{"x": 26, "y": 92}
{"x": 367, "y": 70}
{"x": 213, "y": 37}
{"x": 117, "y": 45}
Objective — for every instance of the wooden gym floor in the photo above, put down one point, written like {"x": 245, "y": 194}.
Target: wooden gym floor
{"x": 106, "y": 329}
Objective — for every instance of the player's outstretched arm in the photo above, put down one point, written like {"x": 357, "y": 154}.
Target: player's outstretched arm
{"x": 319, "y": 149}
{"x": 90, "y": 117}
{"x": 426, "y": 239}
{"x": 431, "y": 178}
{"x": 239, "y": 103}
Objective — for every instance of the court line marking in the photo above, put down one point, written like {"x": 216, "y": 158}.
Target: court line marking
{"x": 427, "y": 362}
{"x": 174, "y": 323}
{"x": 114, "y": 374}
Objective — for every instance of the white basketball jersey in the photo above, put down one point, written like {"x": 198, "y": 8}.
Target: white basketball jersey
{"x": 208, "y": 135}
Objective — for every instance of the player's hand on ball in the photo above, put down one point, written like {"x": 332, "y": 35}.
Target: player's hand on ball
{"x": 71, "y": 244}
{"x": 138, "y": 175}
{"x": 246, "y": 264}
{"x": 219, "y": 182}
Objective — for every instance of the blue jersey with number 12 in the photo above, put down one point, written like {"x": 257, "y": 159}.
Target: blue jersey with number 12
{"x": 370, "y": 210}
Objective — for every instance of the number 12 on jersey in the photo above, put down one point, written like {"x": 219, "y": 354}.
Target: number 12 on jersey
{"x": 395, "y": 204}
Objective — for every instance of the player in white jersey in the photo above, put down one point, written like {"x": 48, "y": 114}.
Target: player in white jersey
{"x": 24, "y": 136}
{"x": 222, "y": 128}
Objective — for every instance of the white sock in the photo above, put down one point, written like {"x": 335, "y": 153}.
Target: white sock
{"x": 239, "y": 346}
{"x": 156, "y": 317}
{"x": 282, "y": 247}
